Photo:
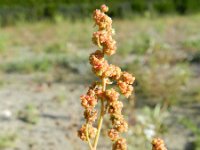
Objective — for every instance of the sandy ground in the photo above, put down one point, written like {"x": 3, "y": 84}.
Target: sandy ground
{"x": 60, "y": 115}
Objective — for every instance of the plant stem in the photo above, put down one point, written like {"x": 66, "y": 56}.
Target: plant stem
{"x": 100, "y": 117}
{"x": 87, "y": 136}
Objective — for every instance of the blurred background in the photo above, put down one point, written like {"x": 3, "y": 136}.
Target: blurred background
{"x": 44, "y": 49}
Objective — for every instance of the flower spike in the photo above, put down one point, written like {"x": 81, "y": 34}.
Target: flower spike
{"x": 97, "y": 92}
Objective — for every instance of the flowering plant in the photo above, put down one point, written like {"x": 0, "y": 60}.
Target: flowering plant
{"x": 98, "y": 91}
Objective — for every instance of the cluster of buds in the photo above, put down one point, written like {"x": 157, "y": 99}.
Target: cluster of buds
{"x": 158, "y": 144}
{"x": 107, "y": 73}
{"x": 88, "y": 101}
{"x": 84, "y": 130}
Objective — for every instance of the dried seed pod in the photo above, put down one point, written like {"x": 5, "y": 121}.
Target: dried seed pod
{"x": 88, "y": 101}
{"x": 127, "y": 77}
{"x": 113, "y": 134}
{"x": 111, "y": 95}
{"x": 90, "y": 115}
{"x": 82, "y": 133}
{"x": 120, "y": 144}
{"x": 104, "y": 8}
{"x": 125, "y": 88}
{"x": 115, "y": 107}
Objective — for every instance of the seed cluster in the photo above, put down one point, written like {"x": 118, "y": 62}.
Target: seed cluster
{"x": 158, "y": 144}
{"x": 107, "y": 73}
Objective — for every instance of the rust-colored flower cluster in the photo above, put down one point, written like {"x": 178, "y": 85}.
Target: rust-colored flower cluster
{"x": 158, "y": 144}
{"x": 107, "y": 73}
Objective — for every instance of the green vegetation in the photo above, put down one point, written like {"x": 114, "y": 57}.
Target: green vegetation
{"x": 29, "y": 114}
{"x": 30, "y": 10}
{"x": 27, "y": 66}
{"x": 192, "y": 44}
{"x": 195, "y": 130}
{"x": 7, "y": 140}
{"x": 158, "y": 69}
{"x": 135, "y": 45}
